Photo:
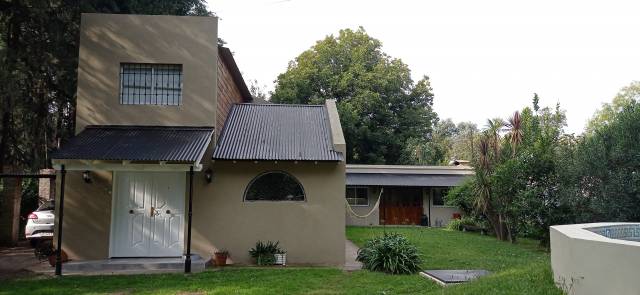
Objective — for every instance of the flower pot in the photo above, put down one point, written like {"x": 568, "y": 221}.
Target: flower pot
{"x": 280, "y": 259}
{"x": 52, "y": 258}
{"x": 220, "y": 258}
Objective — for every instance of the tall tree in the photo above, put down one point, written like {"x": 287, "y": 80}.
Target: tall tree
{"x": 381, "y": 108}
{"x": 607, "y": 113}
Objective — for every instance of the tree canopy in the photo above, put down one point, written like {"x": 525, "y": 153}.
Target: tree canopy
{"x": 529, "y": 175}
{"x": 381, "y": 108}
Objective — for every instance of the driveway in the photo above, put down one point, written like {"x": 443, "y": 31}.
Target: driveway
{"x": 20, "y": 261}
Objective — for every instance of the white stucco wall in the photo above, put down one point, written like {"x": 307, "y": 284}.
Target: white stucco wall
{"x": 584, "y": 262}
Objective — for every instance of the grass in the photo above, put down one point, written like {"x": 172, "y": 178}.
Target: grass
{"x": 517, "y": 269}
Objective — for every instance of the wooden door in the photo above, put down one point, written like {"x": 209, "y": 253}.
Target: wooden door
{"x": 401, "y": 206}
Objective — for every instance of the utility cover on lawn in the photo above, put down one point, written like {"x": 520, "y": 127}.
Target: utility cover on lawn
{"x": 446, "y": 277}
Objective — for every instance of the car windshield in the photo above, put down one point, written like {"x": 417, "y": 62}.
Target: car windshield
{"x": 47, "y": 205}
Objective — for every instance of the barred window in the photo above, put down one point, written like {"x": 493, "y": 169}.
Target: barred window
{"x": 150, "y": 84}
{"x": 274, "y": 186}
{"x": 439, "y": 194}
{"x": 358, "y": 196}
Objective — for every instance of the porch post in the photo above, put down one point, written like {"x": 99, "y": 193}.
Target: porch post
{"x": 429, "y": 207}
{"x": 63, "y": 172}
{"x": 187, "y": 261}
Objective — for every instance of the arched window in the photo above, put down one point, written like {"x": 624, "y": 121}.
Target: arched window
{"x": 274, "y": 186}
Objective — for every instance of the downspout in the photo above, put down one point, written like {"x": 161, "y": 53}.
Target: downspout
{"x": 187, "y": 260}
{"x": 63, "y": 172}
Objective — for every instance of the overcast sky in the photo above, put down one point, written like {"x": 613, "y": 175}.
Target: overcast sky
{"x": 484, "y": 58}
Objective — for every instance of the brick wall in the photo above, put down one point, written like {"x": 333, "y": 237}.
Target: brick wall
{"x": 46, "y": 186}
{"x": 228, "y": 94}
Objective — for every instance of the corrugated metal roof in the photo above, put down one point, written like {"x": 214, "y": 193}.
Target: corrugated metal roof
{"x": 137, "y": 143}
{"x": 277, "y": 132}
{"x": 376, "y": 179}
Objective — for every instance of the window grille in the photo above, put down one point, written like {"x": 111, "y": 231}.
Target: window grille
{"x": 358, "y": 196}
{"x": 150, "y": 84}
{"x": 274, "y": 186}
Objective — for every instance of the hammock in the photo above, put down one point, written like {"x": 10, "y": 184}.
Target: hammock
{"x": 375, "y": 207}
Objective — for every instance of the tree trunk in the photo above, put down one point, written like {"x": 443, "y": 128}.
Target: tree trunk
{"x": 10, "y": 211}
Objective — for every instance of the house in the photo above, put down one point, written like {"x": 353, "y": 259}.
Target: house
{"x": 172, "y": 159}
{"x": 402, "y": 195}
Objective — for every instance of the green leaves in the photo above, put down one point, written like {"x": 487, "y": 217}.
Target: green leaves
{"x": 380, "y": 107}
{"x": 390, "y": 253}
{"x": 264, "y": 252}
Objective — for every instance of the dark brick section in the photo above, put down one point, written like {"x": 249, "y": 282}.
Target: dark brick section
{"x": 228, "y": 94}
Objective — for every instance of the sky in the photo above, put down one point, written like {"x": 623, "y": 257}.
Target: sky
{"x": 485, "y": 59}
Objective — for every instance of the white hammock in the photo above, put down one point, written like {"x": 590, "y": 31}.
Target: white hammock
{"x": 375, "y": 207}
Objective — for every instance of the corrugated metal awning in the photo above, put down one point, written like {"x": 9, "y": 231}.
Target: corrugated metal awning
{"x": 384, "y": 179}
{"x": 137, "y": 143}
{"x": 277, "y": 132}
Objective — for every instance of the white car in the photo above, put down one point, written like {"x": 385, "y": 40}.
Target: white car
{"x": 40, "y": 222}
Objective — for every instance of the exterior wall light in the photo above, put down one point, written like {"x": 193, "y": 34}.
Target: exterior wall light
{"x": 208, "y": 175}
{"x": 86, "y": 176}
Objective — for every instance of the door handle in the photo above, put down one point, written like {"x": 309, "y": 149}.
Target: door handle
{"x": 152, "y": 212}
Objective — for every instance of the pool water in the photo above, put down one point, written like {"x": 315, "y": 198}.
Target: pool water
{"x": 627, "y": 232}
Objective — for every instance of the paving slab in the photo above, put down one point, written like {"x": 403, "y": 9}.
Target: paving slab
{"x": 351, "y": 252}
{"x": 453, "y": 276}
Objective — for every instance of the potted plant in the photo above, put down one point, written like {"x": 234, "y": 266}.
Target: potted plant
{"x": 264, "y": 253}
{"x": 280, "y": 257}
{"x": 220, "y": 257}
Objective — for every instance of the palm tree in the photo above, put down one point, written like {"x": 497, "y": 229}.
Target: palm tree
{"x": 515, "y": 133}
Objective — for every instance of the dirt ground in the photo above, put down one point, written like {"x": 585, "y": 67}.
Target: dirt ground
{"x": 20, "y": 261}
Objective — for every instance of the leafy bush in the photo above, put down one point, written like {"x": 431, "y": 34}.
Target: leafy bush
{"x": 462, "y": 197}
{"x": 391, "y": 253}
{"x": 457, "y": 224}
{"x": 264, "y": 252}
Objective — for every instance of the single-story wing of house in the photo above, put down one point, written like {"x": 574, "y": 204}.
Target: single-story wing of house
{"x": 401, "y": 194}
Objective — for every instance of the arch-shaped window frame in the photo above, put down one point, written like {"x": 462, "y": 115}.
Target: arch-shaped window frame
{"x": 246, "y": 189}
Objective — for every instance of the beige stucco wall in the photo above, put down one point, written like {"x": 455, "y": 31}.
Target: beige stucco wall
{"x": 87, "y": 215}
{"x": 312, "y": 232}
{"x": 106, "y": 40}
{"x": 586, "y": 263}
{"x": 374, "y": 218}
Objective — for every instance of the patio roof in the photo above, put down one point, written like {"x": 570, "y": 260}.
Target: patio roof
{"x": 140, "y": 144}
{"x": 406, "y": 175}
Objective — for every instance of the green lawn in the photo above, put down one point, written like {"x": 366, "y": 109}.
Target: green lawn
{"x": 518, "y": 269}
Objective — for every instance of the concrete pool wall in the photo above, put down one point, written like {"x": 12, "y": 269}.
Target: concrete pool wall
{"x": 585, "y": 261}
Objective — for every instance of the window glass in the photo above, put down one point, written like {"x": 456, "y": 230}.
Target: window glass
{"x": 438, "y": 195}
{"x": 358, "y": 196}
{"x": 274, "y": 186}
{"x": 153, "y": 84}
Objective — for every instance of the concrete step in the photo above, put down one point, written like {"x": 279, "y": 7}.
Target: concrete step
{"x": 132, "y": 265}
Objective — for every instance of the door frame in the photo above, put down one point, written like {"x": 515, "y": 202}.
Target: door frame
{"x": 114, "y": 200}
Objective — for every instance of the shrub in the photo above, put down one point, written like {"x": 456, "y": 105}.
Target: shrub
{"x": 264, "y": 252}
{"x": 391, "y": 253}
{"x": 456, "y": 224}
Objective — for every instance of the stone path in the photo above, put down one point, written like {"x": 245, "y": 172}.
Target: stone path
{"x": 351, "y": 252}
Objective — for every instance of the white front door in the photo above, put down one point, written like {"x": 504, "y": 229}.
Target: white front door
{"x": 148, "y": 214}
